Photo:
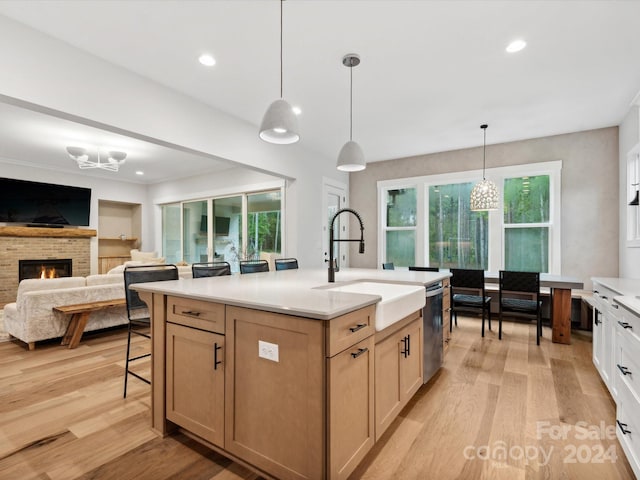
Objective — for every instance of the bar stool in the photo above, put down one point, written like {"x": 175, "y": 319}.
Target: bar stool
{"x": 138, "y": 323}
{"x": 210, "y": 269}
{"x": 286, "y": 263}
{"x": 253, "y": 266}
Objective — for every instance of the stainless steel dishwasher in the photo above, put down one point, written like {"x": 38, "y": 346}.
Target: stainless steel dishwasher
{"x": 432, "y": 330}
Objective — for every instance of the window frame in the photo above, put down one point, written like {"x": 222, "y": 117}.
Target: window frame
{"x": 496, "y": 223}
{"x": 383, "y": 188}
{"x": 210, "y": 212}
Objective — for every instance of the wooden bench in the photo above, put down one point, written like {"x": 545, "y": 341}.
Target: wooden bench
{"x": 79, "y": 316}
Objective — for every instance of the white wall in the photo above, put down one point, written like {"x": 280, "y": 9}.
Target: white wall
{"x": 100, "y": 190}
{"x": 629, "y": 137}
{"x": 52, "y": 74}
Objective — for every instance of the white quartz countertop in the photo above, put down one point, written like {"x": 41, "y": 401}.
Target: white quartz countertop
{"x": 621, "y": 286}
{"x": 627, "y": 288}
{"x": 302, "y": 292}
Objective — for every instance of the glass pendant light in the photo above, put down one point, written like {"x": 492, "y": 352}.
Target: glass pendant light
{"x": 351, "y": 157}
{"x": 484, "y": 195}
{"x": 280, "y": 124}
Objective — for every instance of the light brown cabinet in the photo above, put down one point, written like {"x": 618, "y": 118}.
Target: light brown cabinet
{"x": 195, "y": 381}
{"x": 350, "y": 407}
{"x": 398, "y": 372}
{"x": 106, "y": 263}
{"x": 289, "y": 393}
{"x": 274, "y": 406}
{"x": 290, "y": 396}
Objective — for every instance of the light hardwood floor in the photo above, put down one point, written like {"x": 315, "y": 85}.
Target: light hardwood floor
{"x": 62, "y": 416}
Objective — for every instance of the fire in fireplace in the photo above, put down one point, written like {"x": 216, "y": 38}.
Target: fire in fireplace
{"x": 45, "y": 268}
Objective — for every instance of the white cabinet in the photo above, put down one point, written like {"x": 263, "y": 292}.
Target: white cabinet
{"x": 626, "y": 379}
{"x": 605, "y": 317}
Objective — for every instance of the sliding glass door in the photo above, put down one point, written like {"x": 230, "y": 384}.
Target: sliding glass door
{"x": 230, "y": 229}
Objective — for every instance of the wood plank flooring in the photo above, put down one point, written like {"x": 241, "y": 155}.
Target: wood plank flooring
{"x": 497, "y": 409}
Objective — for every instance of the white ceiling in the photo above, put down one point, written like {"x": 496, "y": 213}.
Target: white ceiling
{"x": 431, "y": 71}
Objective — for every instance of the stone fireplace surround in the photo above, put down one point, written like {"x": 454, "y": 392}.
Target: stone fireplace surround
{"x": 23, "y": 243}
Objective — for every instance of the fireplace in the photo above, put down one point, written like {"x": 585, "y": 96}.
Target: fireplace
{"x": 44, "y": 268}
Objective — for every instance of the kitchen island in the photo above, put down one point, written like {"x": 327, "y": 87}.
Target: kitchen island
{"x": 280, "y": 372}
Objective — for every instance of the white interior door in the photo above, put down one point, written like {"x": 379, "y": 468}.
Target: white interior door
{"x": 335, "y": 198}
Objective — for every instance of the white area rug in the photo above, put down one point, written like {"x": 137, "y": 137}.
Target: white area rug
{"x": 4, "y": 336}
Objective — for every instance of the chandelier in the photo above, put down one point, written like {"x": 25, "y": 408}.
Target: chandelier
{"x": 484, "y": 195}
{"x": 111, "y": 163}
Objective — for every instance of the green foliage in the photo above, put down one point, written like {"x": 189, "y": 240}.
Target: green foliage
{"x": 526, "y": 199}
{"x": 401, "y": 207}
{"x": 458, "y": 237}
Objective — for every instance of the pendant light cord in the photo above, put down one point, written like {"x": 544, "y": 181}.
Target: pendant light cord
{"x": 351, "y": 103}
{"x": 484, "y": 149}
{"x": 281, "y": 2}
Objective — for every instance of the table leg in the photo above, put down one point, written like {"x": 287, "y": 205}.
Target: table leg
{"x": 75, "y": 329}
{"x": 561, "y": 315}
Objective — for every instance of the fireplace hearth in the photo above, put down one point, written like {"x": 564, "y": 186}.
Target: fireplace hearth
{"x": 44, "y": 268}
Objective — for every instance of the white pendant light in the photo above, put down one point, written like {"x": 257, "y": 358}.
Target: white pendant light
{"x": 484, "y": 195}
{"x": 280, "y": 124}
{"x": 351, "y": 157}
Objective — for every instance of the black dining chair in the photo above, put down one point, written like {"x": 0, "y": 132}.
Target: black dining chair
{"x": 388, "y": 266}
{"x": 137, "y": 312}
{"x": 210, "y": 269}
{"x": 468, "y": 294}
{"x": 286, "y": 263}
{"x": 513, "y": 287}
{"x": 253, "y": 266}
{"x": 413, "y": 268}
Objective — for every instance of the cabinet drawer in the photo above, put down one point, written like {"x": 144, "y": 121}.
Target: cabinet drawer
{"x": 603, "y": 297}
{"x": 626, "y": 366}
{"x": 196, "y": 313}
{"x": 629, "y": 324}
{"x": 628, "y": 428}
{"x": 349, "y": 329}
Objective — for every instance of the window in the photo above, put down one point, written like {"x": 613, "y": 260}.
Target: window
{"x": 223, "y": 229}
{"x": 171, "y": 246}
{"x": 264, "y": 222}
{"x": 458, "y": 237}
{"x": 526, "y": 223}
{"x": 524, "y": 234}
{"x": 400, "y": 221}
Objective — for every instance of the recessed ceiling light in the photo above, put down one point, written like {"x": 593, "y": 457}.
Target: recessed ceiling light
{"x": 139, "y": 172}
{"x": 516, "y": 46}
{"x": 296, "y": 110}
{"x": 207, "y": 60}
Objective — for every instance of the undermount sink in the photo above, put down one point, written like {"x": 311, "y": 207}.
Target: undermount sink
{"x": 397, "y": 302}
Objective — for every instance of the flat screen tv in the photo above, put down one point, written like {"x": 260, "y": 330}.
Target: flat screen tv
{"x": 43, "y": 204}
{"x": 222, "y": 225}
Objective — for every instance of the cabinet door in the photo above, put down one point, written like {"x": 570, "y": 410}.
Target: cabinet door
{"x": 597, "y": 339}
{"x": 195, "y": 381}
{"x": 411, "y": 361}
{"x": 399, "y": 368}
{"x": 388, "y": 391}
{"x": 351, "y": 407}
{"x": 275, "y": 398}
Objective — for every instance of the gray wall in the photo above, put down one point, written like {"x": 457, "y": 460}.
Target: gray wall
{"x": 589, "y": 193}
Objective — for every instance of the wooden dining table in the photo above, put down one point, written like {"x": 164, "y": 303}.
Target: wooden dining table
{"x": 560, "y": 288}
